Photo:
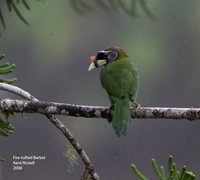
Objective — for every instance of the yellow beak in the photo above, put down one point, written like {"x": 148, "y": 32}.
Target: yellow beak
{"x": 99, "y": 63}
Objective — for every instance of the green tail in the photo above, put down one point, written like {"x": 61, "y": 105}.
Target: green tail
{"x": 121, "y": 116}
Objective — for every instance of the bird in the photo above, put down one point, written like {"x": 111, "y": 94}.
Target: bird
{"x": 119, "y": 77}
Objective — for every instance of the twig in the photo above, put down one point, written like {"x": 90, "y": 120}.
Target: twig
{"x": 43, "y": 107}
{"x": 88, "y": 165}
{"x": 18, "y": 91}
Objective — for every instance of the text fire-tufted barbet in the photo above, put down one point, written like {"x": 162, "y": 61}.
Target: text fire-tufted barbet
{"x": 119, "y": 78}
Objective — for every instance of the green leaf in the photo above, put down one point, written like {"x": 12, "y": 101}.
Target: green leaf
{"x": 183, "y": 173}
{"x": 138, "y": 173}
{"x": 2, "y": 159}
{"x": 157, "y": 170}
{"x": 188, "y": 175}
{"x": 102, "y": 4}
{"x": 9, "y": 81}
{"x": 5, "y": 128}
{"x": 4, "y": 65}
{"x": 170, "y": 161}
{"x": 2, "y": 20}
{"x": 173, "y": 173}
{"x": 146, "y": 9}
{"x": 26, "y": 5}
{"x": 129, "y": 9}
{"x": 14, "y": 7}
{"x": 162, "y": 171}
{"x": 2, "y": 56}
{"x": 9, "y": 5}
{"x": 6, "y": 69}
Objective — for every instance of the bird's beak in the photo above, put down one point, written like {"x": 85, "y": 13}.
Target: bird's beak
{"x": 92, "y": 66}
{"x": 98, "y": 63}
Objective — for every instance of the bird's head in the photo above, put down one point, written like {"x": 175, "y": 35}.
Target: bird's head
{"x": 106, "y": 56}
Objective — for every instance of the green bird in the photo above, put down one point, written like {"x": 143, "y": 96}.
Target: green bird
{"x": 119, "y": 78}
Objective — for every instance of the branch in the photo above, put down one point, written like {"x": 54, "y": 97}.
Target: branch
{"x": 43, "y": 107}
{"x": 89, "y": 172}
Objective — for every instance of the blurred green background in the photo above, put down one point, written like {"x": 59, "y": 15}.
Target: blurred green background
{"x": 52, "y": 61}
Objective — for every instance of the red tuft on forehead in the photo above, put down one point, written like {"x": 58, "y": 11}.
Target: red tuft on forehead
{"x": 92, "y": 58}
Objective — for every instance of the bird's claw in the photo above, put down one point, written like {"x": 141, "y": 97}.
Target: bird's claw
{"x": 136, "y": 106}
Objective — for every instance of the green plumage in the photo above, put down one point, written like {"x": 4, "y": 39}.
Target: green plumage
{"x": 120, "y": 80}
{"x": 121, "y": 116}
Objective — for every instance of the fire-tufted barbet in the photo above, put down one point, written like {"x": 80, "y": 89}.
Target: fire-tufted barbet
{"x": 119, "y": 78}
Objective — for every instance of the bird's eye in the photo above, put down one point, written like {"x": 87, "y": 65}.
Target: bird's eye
{"x": 112, "y": 56}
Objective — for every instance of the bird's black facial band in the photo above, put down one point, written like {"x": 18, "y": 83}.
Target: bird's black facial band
{"x": 101, "y": 55}
{"x": 108, "y": 56}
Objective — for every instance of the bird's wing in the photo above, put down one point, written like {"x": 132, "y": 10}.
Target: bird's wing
{"x": 135, "y": 81}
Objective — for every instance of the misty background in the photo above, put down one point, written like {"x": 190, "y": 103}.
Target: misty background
{"x": 52, "y": 64}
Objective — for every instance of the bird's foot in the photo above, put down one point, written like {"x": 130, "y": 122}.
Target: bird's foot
{"x": 136, "y": 106}
{"x": 132, "y": 98}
